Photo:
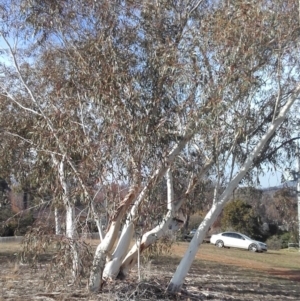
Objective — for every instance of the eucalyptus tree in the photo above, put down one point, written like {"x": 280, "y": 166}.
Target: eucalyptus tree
{"x": 121, "y": 91}
{"x": 258, "y": 123}
{"x": 231, "y": 88}
{"x": 86, "y": 88}
{"x": 38, "y": 82}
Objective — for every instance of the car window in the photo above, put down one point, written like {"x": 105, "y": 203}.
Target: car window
{"x": 238, "y": 236}
{"x": 227, "y": 234}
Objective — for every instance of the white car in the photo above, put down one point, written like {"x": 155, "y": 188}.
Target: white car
{"x": 237, "y": 240}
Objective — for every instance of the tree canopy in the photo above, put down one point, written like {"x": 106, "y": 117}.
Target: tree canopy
{"x": 142, "y": 94}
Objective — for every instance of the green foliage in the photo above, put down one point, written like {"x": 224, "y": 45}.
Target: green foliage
{"x": 239, "y": 216}
{"x": 274, "y": 243}
{"x": 288, "y": 237}
{"x": 281, "y": 241}
{"x": 285, "y": 239}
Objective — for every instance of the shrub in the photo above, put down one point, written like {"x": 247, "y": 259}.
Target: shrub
{"x": 240, "y": 216}
{"x": 274, "y": 243}
{"x": 195, "y": 221}
{"x": 286, "y": 238}
{"x": 161, "y": 247}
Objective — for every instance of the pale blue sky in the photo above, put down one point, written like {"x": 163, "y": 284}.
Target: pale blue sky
{"x": 270, "y": 179}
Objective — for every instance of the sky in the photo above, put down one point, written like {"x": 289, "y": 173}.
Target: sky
{"x": 270, "y": 179}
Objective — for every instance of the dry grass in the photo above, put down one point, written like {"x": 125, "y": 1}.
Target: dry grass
{"x": 272, "y": 259}
{"x": 216, "y": 274}
{"x": 10, "y": 247}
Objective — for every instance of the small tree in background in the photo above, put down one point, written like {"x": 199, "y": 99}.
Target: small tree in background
{"x": 240, "y": 216}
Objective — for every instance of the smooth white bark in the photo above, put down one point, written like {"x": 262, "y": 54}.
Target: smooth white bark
{"x": 111, "y": 269}
{"x": 97, "y": 219}
{"x": 57, "y": 222}
{"x": 70, "y": 218}
{"x": 157, "y": 175}
{"x": 151, "y": 236}
{"x": 186, "y": 262}
{"x": 298, "y": 196}
{"x": 298, "y": 189}
{"x": 71, "y": 231}
{"x": 170, "y": 191}
{"x": 102, "y": 251}
{"x": 147, "y": 239}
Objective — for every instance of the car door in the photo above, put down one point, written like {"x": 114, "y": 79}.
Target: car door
{"x": 239, "y": 241}
{"x": 228, "y": 239}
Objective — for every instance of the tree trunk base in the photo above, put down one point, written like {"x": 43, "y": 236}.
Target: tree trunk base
{"x": 96, "y": 282}
{"x": 173, "y": 288}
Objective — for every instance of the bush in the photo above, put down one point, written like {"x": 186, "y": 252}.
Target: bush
{"x": 274, "y": 243}
{"x": 240, "y": 216}
{"x": 277, "y": 242}
{"x": 286, "y": 238}
{"x": 161, "y": 247}
{"x": 195, "y": 221}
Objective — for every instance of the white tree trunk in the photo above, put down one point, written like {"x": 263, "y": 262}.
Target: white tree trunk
{"x": 102, "y": 251}
{"x": 186, "y": 262}
{"x": 71, "y": 231}
{"x": 147, "y": 240}
{"x": 97, "y": 219}
{"x": 104, "y": 248}
{"x": 112, "y": 267}
{"x": 151, "y": 236}
{"x": 70, "y": 217}
{"x": 155, "y": 234}
{"x": 298, "y": 198}
{"x": 298, "y": 184}
{"x": 157, "y": 175}
{"x": 100, "y": 230}
{"x": 57, "y": 222}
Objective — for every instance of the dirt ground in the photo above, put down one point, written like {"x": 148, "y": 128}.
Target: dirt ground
{"x": 216, "y": 274}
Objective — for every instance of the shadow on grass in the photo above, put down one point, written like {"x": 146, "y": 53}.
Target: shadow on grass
{"x": 230, "y": 281}
{"x": 293, "y": 275}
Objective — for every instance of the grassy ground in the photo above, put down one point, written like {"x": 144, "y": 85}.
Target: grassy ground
{"x": 284, "y": 262}
{"x": 216, "y": 274}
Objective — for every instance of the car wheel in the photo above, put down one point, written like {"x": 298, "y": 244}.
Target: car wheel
{"x": 253, "y": 248}
{"x": 220, "y": 244}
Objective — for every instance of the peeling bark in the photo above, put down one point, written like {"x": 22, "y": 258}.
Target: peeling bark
{"x": 112, "y": 267}
{"x": 155, "y": 234}
{"x": 147, "y": 240}
{"x": 104, "y": 248}
{"x": 157, "y": 175}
